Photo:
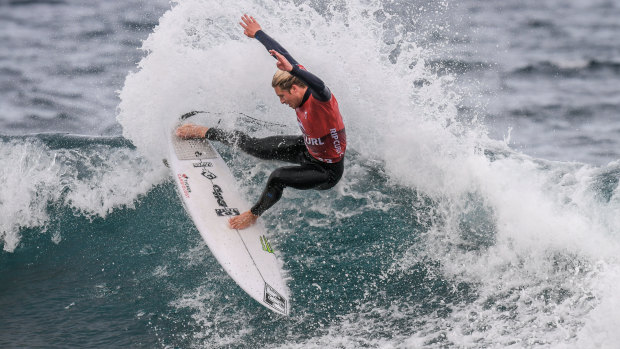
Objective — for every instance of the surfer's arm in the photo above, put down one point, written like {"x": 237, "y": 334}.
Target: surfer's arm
{"x": 252, "y": 29}
{"x": 270, "y": 44}
{"x": 316, "y": 85}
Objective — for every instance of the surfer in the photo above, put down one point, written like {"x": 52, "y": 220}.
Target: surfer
{"x": 318, "y": 153}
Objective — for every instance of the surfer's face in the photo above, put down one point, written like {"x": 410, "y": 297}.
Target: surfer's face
{"x": 292, "y": 97}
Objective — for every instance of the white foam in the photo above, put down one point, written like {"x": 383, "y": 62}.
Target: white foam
{"x": 213, "y": 318}
{"x": 21, "y": 168}
{"x": 92, "y": 181}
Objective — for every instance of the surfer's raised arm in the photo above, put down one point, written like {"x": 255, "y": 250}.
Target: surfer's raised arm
{"x": 252, "y": 29}
{"x": 286, "y": 62}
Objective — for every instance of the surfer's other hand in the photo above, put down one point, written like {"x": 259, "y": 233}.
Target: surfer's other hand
{"x": 250, "y": 25}
{"x": 188, "y": 131}
{"x": 283, "y": 63}
{"x": 243, "y": 220}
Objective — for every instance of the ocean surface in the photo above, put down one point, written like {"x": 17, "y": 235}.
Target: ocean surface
{"x": 480, "y": 205}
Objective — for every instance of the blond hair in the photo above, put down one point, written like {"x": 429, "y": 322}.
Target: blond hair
{"x": 284, "y": 80}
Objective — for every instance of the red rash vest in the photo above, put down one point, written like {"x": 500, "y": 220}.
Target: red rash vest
{"x": 323, "y": 129}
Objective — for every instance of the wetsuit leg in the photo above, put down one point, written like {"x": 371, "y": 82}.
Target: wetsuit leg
{"x": 309, "y": 175}
{"x": 283, "y": 148}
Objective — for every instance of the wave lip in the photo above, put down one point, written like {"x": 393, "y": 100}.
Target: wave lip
{"x": 90, "y": 176}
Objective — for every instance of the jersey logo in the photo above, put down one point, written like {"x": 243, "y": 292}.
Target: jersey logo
{"x": 313, "y": 141}
{"x": 336, "y": 138}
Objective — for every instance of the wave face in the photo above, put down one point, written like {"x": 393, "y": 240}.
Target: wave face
{"x": 437, "y": 236}
{"x": 91, "y": 176}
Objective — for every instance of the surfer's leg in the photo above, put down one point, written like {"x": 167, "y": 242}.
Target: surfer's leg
{"x": 302, "y": 177}
{"x": 283, "y": 148}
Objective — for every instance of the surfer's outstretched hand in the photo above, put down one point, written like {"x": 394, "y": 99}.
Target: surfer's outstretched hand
{"x": 189, "y": 131}
{"x": 250, "y": 25}
{"x": 243, "y": 220}
{"x": 283, "y": 63}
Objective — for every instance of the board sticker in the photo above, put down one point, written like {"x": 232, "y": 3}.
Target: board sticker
{"x": 266, "y": 245}
{"x": 222, "y": 212}
{"x": 193, "y": 149}
{"x": 184, "y": 181}
{"x": 201, "y": 163}
{"x": 274, "y": 299}
{"x": 208, "y": 174}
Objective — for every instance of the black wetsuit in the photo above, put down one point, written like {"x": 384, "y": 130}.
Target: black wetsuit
{"x": 310, "y": 173}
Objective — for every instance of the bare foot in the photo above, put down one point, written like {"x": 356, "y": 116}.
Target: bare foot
{"x": 243, "y": 220}
{"x": 188, "y": 131}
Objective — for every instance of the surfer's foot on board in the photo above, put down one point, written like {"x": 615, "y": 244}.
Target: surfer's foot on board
{"x": 189, "y": 131}
{"x": 243, "y": 220}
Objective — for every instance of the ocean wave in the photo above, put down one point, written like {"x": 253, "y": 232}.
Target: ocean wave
{"x": 568, "y": 69}
{"x": 540, "y": 23}
{"x": 34, "y": 2}
{"x": 91, "y": 175}
{"x": 454, "y": 66}
{"x": 138, "y": 25}
{"x": 69, "y": 141}
{"x": 552, "y": 112}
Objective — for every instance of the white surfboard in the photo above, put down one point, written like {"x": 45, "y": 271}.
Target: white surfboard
{"x": 210, "y": 196}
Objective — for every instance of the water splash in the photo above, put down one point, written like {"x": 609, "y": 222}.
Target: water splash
{"x": 527, "y": 244}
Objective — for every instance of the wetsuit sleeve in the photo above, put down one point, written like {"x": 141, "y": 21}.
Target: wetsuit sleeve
{"x": 271, "y": 44}
{"x": 316, "y": 85}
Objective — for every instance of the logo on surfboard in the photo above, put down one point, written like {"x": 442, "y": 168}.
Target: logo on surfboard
{"x": 208, "y": 174}
{"x": 184, "y": 180}
{"x": 266, "y": 245}
{"x": 274, "y": 299}
{"x": 203, "y": 164}
{"x": 218, "y": 194}
{"x": 226, "y": 211}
